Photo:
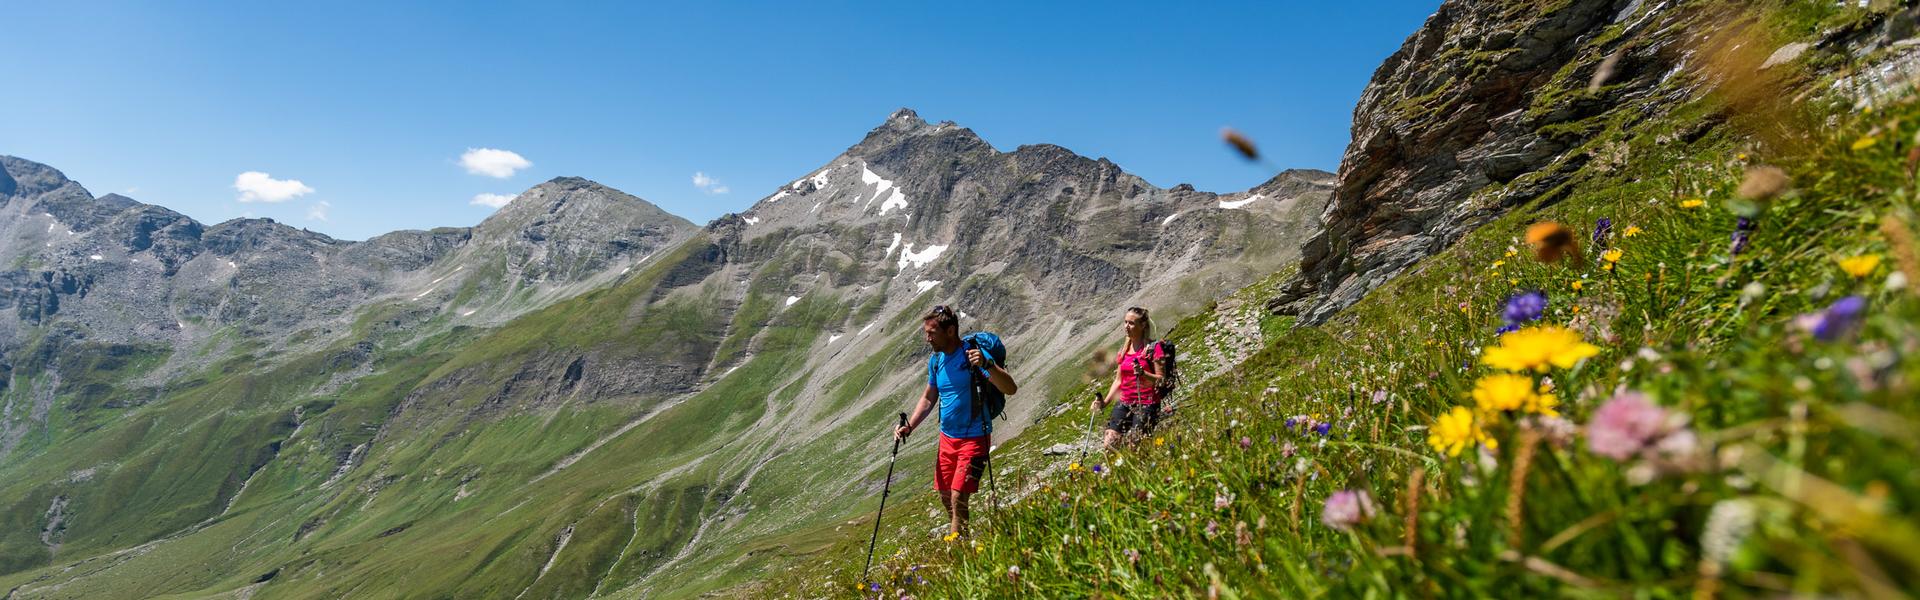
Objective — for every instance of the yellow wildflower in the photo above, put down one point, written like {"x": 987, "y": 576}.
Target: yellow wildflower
{"x": 1538, "y": 349}
{"x": 1454, "y": 431}
{"x": 1159, "y": 441}
{"x": 1497, "y": 263}
{"x": 1513, "y": 281}
{"x": 1860, "y": 266}
{"x": 1741, "y": 156}
{"x": 1865, "y": 143}
{"x": 1495, "y": 394}
{"x": 1692, "y": 203}
{"x": 1073, "y": 467}
{"x": 1502, "y": 392}
{"x": 1577, "y": 284}
{"x": 1632, "y": 230}
{"x": 1612, "y": 256}
{"x": 1542, "y": 404}
{"x": 951, "y": 536}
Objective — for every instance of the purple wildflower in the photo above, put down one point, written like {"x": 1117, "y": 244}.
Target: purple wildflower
{"x": 1322, "y": 428}
{"x": 1601, "y": 228}
{"x": 1346, "y": 508}
{"x": 1525, "y": 306}
{"x": 1246, "y": 442}
{"x": 1742, "y": 231}
{"x": 1839, "y": 318}
{"x": 1506, "y": 329}
{"x": 1096, "y": 468}
{"x": 1379, "y": 396}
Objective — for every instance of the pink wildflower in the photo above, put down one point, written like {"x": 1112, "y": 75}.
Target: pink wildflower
{"x": 1346, "y": 508}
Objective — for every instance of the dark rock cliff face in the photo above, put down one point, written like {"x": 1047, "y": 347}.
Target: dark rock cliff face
{"x": 1489, "y": 96}
{"x": 1495, "y": 104}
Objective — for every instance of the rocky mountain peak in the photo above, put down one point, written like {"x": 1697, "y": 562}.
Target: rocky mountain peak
{"x": 251, "y": 235}
{"x": 905, "y": 115}
{"x": 574, "y": 204}
{"x": 22, "y": 177}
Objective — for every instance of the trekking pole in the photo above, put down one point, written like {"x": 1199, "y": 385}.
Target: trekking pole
{"x": 993, "y": 498}
{"x": 1098, "y": 398}
{"x": 885, "y": 489}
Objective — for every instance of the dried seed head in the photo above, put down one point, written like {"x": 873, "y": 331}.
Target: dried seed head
{"x": 1552, "y": 241}
{"x": 1605, "y": 72}
{"x": 1240, "y": 143}
{"x": 1764, "y": 183}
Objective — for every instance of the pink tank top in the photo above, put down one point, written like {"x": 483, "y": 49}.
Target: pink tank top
{"x": 1135, "y": 389}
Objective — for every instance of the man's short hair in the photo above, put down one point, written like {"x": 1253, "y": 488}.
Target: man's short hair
{"x": 942, "y": 317}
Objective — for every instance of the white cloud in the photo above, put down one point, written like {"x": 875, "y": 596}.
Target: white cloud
{"x": 493, "y": 200}
{"x": 318, "y": 212}
{"x": 491, "y": 162}
{"x": 255, "y": 186}
{"x": 709, "y": 184}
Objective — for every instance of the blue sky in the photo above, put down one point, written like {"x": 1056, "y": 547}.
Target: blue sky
{"x": 370, "y": 106}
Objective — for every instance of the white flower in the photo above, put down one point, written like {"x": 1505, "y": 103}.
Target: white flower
{"x": 1728, "y": 525}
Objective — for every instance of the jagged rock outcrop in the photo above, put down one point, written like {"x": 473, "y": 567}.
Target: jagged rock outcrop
{"x": 1481, "y": 95}
{"x": 1492, "y": 105}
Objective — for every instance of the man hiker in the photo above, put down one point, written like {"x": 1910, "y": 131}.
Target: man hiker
{"x": 965, "y": 429}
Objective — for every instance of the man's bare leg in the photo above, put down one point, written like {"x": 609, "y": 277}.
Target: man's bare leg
{"x": 946, "y": 500}
{"x": 956, "y": 502}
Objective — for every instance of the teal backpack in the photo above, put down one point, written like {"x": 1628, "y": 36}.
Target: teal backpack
{"x": 985, "y": 397}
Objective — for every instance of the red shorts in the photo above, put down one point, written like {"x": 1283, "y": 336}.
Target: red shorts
{"x": 956, "y": 452}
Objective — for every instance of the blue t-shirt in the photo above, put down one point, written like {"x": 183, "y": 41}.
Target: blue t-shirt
{"x": 947, "y": 373}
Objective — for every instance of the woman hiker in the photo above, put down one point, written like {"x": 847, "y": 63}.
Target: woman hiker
{"x": 1135, "y": 383}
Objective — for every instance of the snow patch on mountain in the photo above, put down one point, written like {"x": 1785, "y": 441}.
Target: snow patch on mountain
{"x": 921, "y": 258}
